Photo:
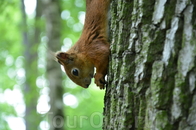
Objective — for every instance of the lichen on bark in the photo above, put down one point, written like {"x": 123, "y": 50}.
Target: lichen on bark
{"x": 152, "y": 71}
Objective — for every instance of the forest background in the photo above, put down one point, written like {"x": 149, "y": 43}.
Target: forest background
{"x": 23, "y": 82}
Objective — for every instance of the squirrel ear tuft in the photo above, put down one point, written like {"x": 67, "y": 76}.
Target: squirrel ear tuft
{"x": 64, "y": 57}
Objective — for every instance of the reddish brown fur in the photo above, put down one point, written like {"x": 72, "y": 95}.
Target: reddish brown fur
{"x": 92, "y": 49}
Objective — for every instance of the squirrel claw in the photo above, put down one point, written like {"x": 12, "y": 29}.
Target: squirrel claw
{"x": 100, "y": 81}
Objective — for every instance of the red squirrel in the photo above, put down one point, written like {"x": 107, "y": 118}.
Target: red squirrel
{"x": 92, "y": 48}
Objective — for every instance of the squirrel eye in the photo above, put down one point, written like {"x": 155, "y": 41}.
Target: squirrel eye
{"x": 75, "y": 72}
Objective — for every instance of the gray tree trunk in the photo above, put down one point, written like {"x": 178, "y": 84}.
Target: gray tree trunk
{"x": 152, "y": 71}
{"x": 31, "y": 42}
{"x": 54, "y": 74}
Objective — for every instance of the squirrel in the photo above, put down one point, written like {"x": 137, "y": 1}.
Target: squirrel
{"x": 92, "y": 48}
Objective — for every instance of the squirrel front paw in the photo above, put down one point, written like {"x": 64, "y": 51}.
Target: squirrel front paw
{"x": 100, "y": 81}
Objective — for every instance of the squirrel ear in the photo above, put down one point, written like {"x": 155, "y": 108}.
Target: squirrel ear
{"x": 64, "y": 57}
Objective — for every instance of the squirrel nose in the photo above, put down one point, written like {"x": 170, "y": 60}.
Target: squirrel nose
{"x": 87, "y": 82}
{"x": 87, "y": 85}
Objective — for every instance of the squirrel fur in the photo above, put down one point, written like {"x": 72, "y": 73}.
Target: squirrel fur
{"x": 92, "y": 48}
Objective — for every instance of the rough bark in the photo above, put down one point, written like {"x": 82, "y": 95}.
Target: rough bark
{"x": 31, "y": 41}
{"x": 152, "y": 71}
{"x": 54, "y": 74}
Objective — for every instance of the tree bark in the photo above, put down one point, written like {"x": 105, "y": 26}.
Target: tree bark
{"x": 54, "y": 74}
{"x": 31, "y": 41}
{"x": 152, "y": 70}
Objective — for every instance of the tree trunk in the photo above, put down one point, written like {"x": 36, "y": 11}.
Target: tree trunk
{"x": 30, "y": 41}
{"x": 152, "y": 71}
{"x": 54, "y": 74}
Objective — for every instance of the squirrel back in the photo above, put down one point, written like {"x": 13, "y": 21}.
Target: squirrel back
{"x": 92, "y": 48}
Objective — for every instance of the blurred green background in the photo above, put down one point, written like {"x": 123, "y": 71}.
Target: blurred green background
{"x": 83, "y": 108}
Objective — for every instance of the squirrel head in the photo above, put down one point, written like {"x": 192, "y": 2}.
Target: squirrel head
{"x": 78, "y": 69}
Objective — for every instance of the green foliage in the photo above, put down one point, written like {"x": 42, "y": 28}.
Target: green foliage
{"x": 88, "y": 113}
{"x": 71, "y": 11}
{"x": 10, "y": 50}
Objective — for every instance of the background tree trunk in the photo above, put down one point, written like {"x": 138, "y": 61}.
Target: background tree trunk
{"x": 30, "y": 90}
{"x": 152, "y": 71}
{"x": 54, "y": 74}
